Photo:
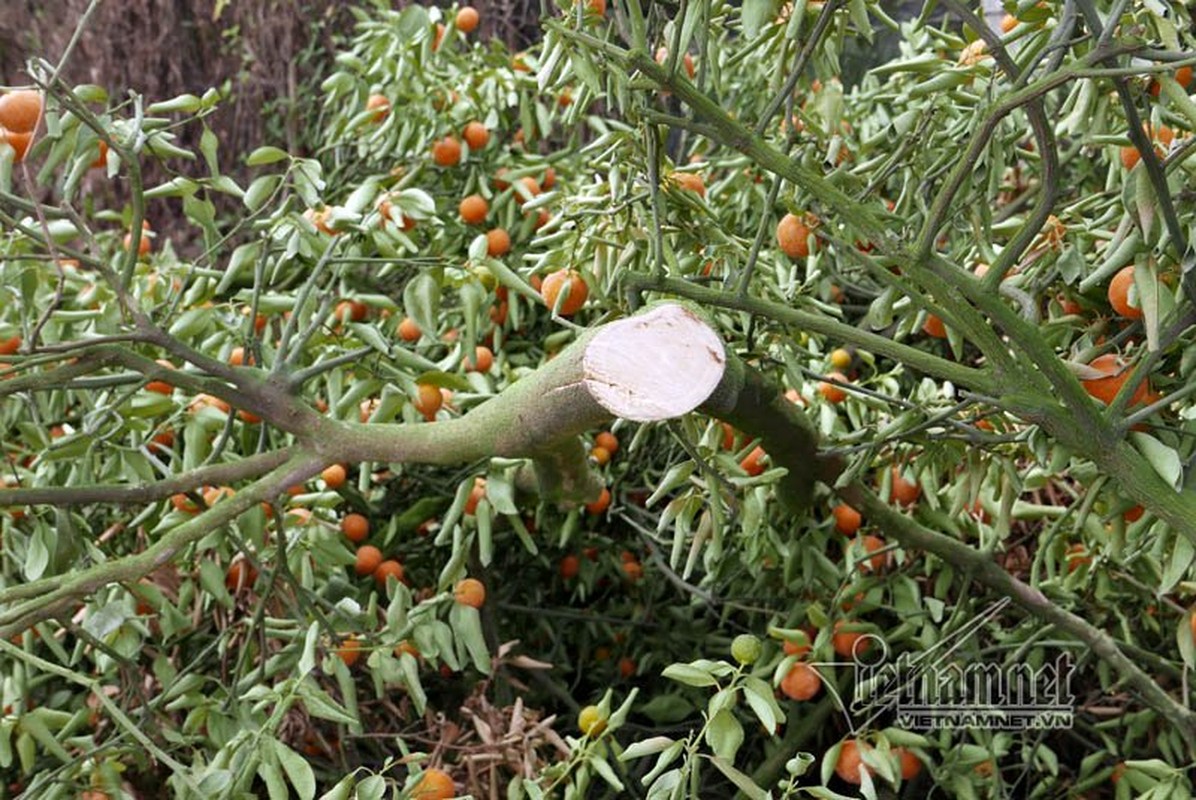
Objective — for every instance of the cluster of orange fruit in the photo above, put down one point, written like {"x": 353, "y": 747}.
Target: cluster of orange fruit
{"x": 370, "y": 561}
{"x": 606, "y": 444}
{"x": 633, "y": 570}
{"x": 210, "y": 494}
{"x": 850, "y": 762}
{"x": 831, "y": 389}
{"x": 848, "y": 522}
{"x": 569, "y": 566}
{"x": 565, "y": 290}
{"x": 1162, "y": 135}
{"x": 802, "y": 681}
{"x": 468, "y": 592}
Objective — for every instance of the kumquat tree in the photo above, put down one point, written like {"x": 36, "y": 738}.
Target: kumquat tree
{"x": 711, "y": 400}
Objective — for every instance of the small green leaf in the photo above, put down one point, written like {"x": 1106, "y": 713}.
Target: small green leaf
{"x": 160, "y": 145}
{"x": 8, "y": 726}
{"x": 745, "y": 784}
{"x": 260, "y": 190}
{"x": 208, "y": 144}
{"x": 307, "y": 661}
{"x": 1182, "y": 556}
{"x": 689, "y": 675}
{"x": 647, "y": 747}
{"x": 321, "y": 705}
{"x": 298, "y": 771}
{"x": 1164, "y": 459}
{"x": 26, "y": 751}
{"x": 91, "y": 93}
{"x": 175, "y": 187}
{"x": 226, "y": 185}
{"x": 191, "y": 323}
{"x": 372, "y": 788}
{"x": 607, "y": 774}
{"x": 341, "y": 790}
{"x": 467, "y": 626}
{"x": 662, "y": 762}
{"x": 105, "y": 620}
{"x": 265, "y": 155}
{"x": 1183, "y": 637}
{"x": 762, "y": 700}
{"x": 756, "y": 14}
{"x": 1144, "y": 200}
{"x": 34, "y": 724}
{"x": 185, "y": 103}
{"x": 37, "y": 557}
{"x": 421, "y": 300}
{"x": 859, "y": 17}
{"x": 243, "y": 256}
{"x": 724, "y": 734}
{"x": 676, "y": 475}
{"x": 415, "y": 690}
{"x": 485, "y": 520}
{"x": 211, "y": 577}
{"x": 371, "y": 336}
{"x": 271, "y": 775}
{"x": 500, "y": 491}
{"x": 584, "y": 66}
{"x": 478, "y": 248}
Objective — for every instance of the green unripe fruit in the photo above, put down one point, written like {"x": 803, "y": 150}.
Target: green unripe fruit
{"x": 745, "y": 649}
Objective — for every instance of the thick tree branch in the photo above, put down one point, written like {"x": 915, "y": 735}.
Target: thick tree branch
{"x": 977, "y": 380}
{"x": 657, "y": 365}
{"x": 746, "y": 400}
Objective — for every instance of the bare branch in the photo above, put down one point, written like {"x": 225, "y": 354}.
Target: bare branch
{"x": 48, "y": 597}
{"x": 231, "y": 472}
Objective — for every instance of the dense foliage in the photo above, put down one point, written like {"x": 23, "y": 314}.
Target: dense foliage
{"x": 931, "y": 264}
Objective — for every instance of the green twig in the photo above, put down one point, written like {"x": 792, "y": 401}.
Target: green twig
{"x": 990, "y": 574}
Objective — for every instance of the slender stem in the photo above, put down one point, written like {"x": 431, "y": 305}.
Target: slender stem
{"x": 47, "y": 380}
{"x": 118, "y": 716}
{"x": 803, "y": 57}
{"x": 300, "y": 302}
{"x": 297, "y": 379}
{"x": 978, "y": 380}
{"x": 1044, "y": 138}
{"x": 1141, "y": 140}
{"x": 48, "y": 597}
{"x": 231, "y": 472}
{"x": 734, "y": 134}
{"x": 987, "y": 572}
{"x": 30, "y": 344}
{"x": 85, "y": 344}
{"x": 654, "y": 194}
{"x": 761, "y": 232}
